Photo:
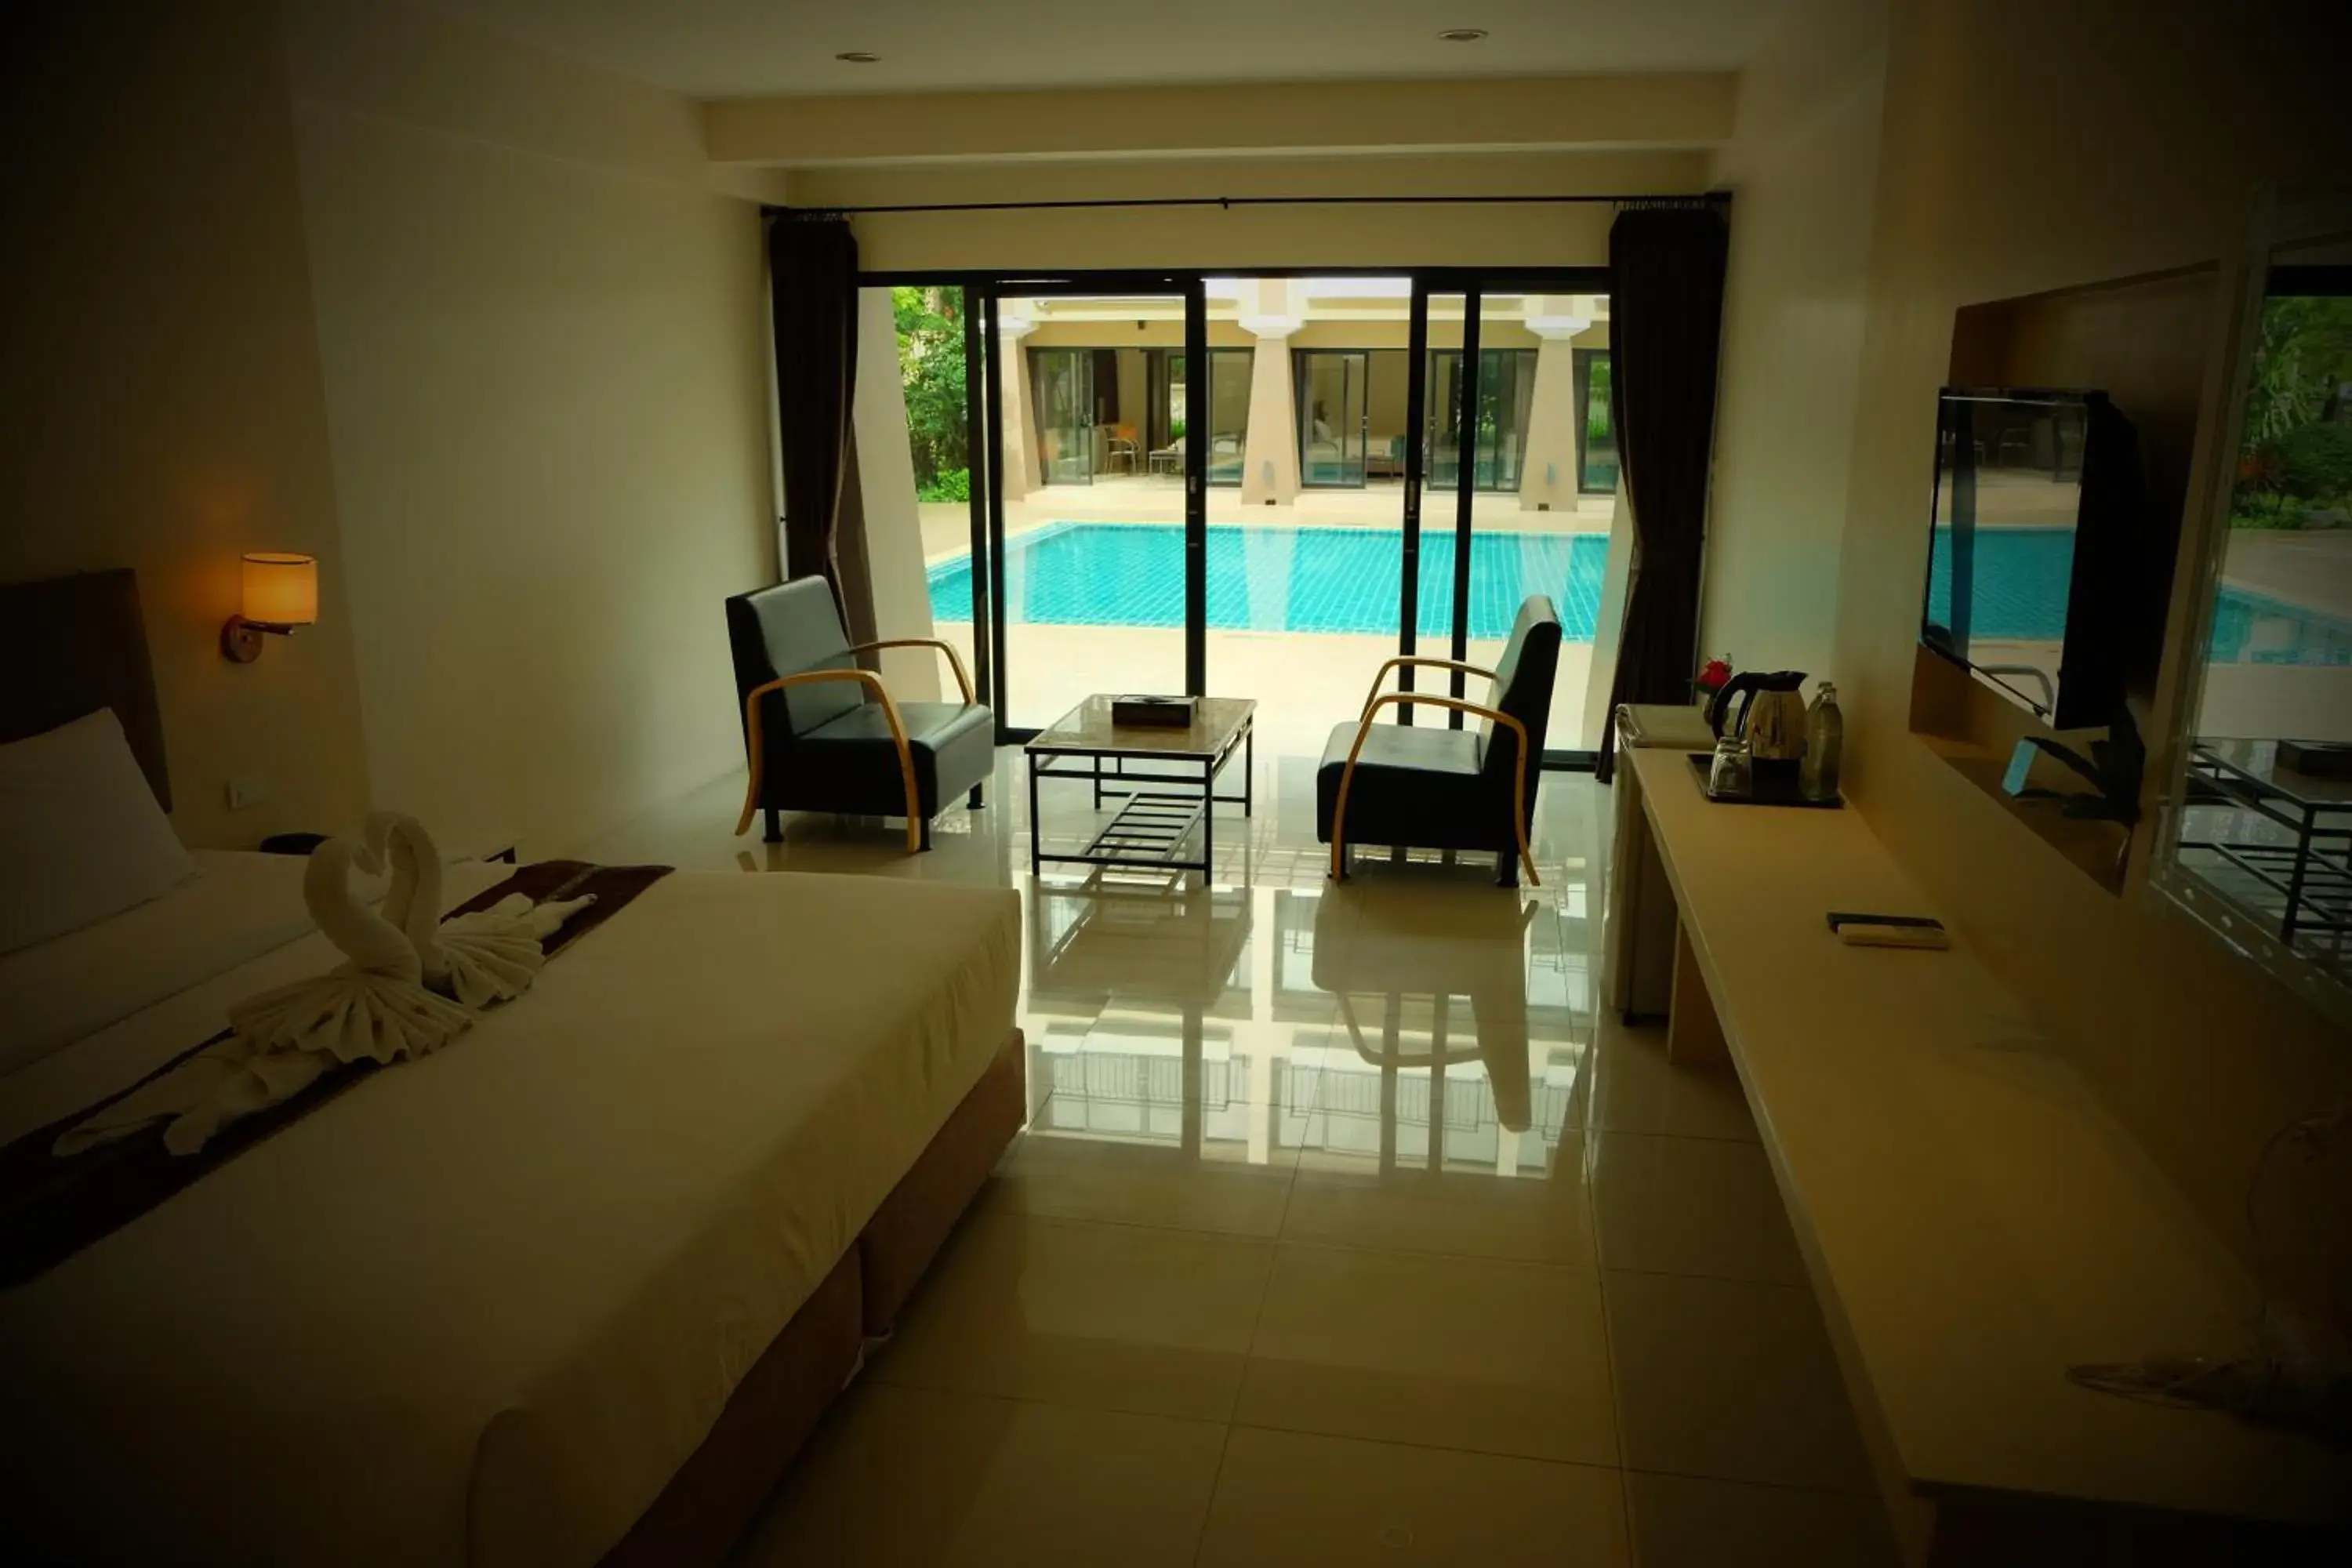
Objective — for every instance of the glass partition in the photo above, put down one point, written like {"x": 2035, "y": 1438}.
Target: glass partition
{"x": 2258, "y": 826}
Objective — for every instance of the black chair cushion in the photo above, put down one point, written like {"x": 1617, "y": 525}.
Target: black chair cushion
{"x": 850, "y": 763}
{"x": 1422, "y": 785}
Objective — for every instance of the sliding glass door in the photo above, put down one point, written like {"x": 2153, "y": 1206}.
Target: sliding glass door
{"x": 1093, "y": 519}
{"x": 1264, "y": 486}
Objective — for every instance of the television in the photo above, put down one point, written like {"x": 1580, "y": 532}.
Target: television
{"x": 2042, "y": 578}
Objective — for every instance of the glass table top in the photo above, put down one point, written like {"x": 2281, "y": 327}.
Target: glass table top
{"x": 1216, "y": 721}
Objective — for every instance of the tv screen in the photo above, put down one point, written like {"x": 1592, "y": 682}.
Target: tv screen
{"x": 2032, "y": 565}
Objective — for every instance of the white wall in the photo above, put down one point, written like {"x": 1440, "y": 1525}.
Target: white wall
{"x": 2127, "y": 140}
{"x": 541, "y": 332}
{"x": 160, "y": 399}
{"x": 1803, "y": 162}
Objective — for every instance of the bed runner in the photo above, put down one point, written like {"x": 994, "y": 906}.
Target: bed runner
{"x": 52, "y": 1207}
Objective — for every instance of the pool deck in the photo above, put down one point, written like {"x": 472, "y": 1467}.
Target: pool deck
{"x": 2310, "y": 569}
{"x": 1304, "y": 682}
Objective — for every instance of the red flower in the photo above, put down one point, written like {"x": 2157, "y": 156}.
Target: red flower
{"x": 1718, "y": 671}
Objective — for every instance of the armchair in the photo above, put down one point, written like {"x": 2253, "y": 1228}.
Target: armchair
{"x": 1437, "y": 788}
{"x": 823, "y": 735}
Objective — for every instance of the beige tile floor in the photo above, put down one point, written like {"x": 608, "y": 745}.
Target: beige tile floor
{"x": 1344, "y": 1227}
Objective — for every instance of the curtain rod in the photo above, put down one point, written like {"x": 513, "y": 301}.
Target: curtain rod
{"x": 1687, "y": 199}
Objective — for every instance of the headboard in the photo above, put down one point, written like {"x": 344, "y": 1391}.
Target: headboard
{"x": 71, "y": 645}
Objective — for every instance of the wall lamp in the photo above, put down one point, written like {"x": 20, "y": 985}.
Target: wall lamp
{"x": 281, "y": 592}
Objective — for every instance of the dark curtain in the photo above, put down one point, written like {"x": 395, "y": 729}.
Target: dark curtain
{"x": 853, "y": 567}
{"x": 813, "y": 271}
{"x": 1665, "y": 320}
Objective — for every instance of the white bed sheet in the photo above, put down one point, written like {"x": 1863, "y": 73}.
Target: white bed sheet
{"x": 131, "y": 992}
{"x": 480, "y": 1309}
{"x": 238, "y": 906}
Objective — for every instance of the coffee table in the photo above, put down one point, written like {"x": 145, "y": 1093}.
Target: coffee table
{"x": 1168, "y": 778}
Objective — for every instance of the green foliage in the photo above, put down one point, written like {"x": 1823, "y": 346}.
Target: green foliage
{"x": 2315, "y": 460}
{"x": 930, "y": 367}
{"x": 2300, "y": 365}
{"x": 1596, "y": 400}
{"x": 2297, "y": 455}
{"x": 1175, "y": 431}
{"x": 955, "y": 484}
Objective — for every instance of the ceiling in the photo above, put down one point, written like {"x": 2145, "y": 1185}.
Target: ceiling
{"x": 740, "y": 48}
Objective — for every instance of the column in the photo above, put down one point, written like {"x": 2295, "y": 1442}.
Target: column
{"x": 1020, "y": 453}
{"x": 1549, "y": 475}
{"x": 892, "y": 521}
{"x": 1270, "y": 450}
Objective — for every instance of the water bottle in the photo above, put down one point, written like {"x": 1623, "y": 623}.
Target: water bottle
{"x": 1732, "y": 776}
{"x": 1824, "y": 739}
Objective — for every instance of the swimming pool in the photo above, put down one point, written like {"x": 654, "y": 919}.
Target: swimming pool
{"x": 1279, "y": 579}
{"x": 1348, "y": 579}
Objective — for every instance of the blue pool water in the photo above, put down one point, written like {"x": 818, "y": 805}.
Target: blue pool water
{"x": 1346, "y": 579}
{"x": 1278, "y": 579}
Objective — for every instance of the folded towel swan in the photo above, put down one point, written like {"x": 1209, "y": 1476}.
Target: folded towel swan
{"x": 374, "y": 1006}
{"x": 487, "y": 956}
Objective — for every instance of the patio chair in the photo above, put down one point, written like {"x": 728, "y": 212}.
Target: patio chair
{"x": 1428, "y": 787}
{"x": 1120, "y": 449}
{"x": 825, "y": 736}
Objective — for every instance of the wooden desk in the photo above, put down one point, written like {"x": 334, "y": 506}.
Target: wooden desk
{"x": 1972, "y": 1220}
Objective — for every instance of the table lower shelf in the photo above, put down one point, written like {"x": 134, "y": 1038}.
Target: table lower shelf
{"x": 1149, "y": 832}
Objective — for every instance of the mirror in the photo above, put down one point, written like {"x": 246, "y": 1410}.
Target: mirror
{"x": 2258, "y": 824}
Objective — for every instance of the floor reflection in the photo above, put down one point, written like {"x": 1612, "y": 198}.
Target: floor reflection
{"x": 1412, "y": 1017}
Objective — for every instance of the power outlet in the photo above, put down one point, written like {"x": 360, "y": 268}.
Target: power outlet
{"x": 246, "y": 789}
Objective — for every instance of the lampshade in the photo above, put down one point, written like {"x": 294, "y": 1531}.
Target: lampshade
{"x": 280, "y": 589}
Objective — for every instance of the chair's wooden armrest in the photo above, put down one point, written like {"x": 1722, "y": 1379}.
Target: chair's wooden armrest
{"x": 866, "y": 678}
{"x": 1417, "y": 659}
{"x": 955, "y": 659}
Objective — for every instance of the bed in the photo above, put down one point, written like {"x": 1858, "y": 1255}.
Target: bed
{"x": 573, "y": 1290}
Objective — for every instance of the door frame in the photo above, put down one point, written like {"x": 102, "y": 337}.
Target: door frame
{"x": 985, "y": 287}
{"x": 983, "y": 293}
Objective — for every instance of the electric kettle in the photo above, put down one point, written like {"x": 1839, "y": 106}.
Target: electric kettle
{"x": 1772, "y": 717}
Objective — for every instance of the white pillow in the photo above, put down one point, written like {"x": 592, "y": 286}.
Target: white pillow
{"x": 81, "y": 836}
